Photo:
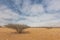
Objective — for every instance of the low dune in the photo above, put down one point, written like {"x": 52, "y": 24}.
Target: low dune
{"x": 30, "y": 34}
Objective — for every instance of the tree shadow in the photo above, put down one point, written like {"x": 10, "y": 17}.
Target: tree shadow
{"x": 24, "y": 32}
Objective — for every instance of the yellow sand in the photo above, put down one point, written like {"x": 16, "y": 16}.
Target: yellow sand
{"x": 30, "y": 34}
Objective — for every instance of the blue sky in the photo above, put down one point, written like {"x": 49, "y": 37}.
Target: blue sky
{"x": 30, "y": 12}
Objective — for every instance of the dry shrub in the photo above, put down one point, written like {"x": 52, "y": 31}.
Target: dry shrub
{"x": 0, "y": 26}
{"x": 18, "y": 27}
{"x": 49, "y": 27}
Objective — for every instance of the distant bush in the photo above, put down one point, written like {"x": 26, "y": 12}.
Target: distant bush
{"x": 0, "y": 26}
{"x": 18, "y": 27}
{"x": 49, "y": 27}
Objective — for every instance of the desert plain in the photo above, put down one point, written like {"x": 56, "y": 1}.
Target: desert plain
{"x": 30, "y": 34}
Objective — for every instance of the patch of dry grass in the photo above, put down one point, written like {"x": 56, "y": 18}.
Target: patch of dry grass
{"x": 30, "y": 34}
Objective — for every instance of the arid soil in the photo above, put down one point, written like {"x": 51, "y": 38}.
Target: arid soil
{"x": 30, "y": 34}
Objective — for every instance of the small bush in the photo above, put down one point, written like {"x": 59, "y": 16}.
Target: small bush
{"x": 0, "y": 26}
{"x": 49, "y": 27}
{"x": 19, "y": 28}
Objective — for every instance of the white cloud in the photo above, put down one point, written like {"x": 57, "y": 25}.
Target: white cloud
{"x": 41, "y": 18}
{"x": 6, "y": 13}
{"x": 52, "y": 5}
{"x": 37, "y": 9}
{"x": 37, "y": 15}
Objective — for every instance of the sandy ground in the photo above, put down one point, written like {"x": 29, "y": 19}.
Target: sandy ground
{"x": 30, "y": 34}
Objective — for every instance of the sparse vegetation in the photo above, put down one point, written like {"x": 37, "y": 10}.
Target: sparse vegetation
{"x": 33, "y": 34}
{"x": 49, "y": 27}
{"x": 0, "y": 26}
{"x": 18, "y": 27}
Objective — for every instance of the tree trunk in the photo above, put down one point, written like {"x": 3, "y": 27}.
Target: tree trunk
{"x": 19, "y": 30}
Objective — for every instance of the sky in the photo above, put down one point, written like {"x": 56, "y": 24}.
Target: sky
{"x": 30, "y": 12}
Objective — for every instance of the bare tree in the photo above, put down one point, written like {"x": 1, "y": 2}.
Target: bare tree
{"x": 18, "y": 27}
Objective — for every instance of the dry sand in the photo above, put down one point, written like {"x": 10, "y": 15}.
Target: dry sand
{"x": 30, "y": 34}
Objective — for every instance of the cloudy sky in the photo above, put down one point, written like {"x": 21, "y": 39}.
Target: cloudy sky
{"x": 30, "y": 12}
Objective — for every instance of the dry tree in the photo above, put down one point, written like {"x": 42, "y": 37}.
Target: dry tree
{"x": 18, "y": 27}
